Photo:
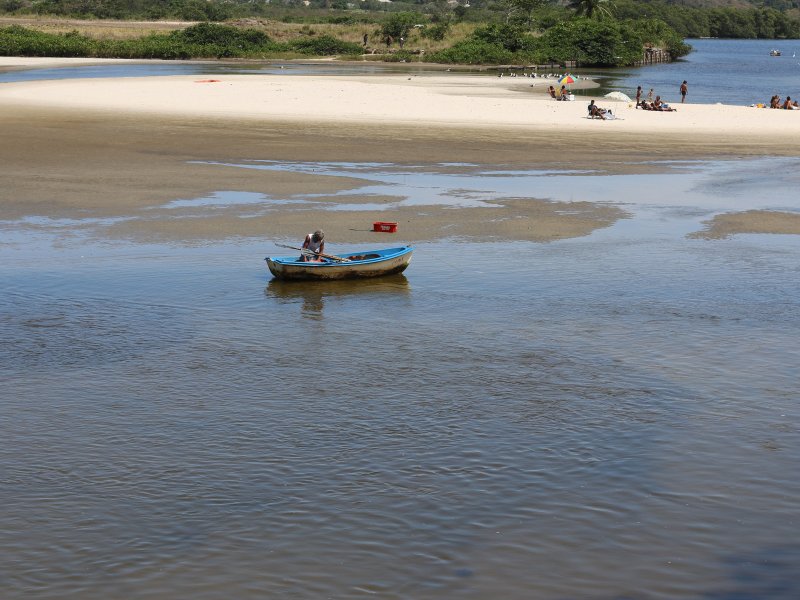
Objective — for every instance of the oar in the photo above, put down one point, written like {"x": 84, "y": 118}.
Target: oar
{"x": 309, "y": 252}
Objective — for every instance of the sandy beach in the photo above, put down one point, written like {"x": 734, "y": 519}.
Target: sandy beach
{"x": 449, "y": 100}
{"x": 111, "y": 147}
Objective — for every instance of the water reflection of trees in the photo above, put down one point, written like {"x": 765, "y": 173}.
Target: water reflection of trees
{"x": 313, "y": 294}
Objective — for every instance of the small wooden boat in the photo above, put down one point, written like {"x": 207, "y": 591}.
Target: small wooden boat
{"x": 373, "y": 263}
{"x": 775, "y": 53}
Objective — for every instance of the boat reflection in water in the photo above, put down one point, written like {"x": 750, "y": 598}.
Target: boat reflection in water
{"x": 314, "y": 294}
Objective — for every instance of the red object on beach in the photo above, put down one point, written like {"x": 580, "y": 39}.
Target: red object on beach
{"x": 385, "y": 226}
{"x": 207, "y": 81}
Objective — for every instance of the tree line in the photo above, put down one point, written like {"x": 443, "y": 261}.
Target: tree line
{"x": 766, "y": 19}
{"x": 597, "y": 33}
{"x": 764, "y": 22}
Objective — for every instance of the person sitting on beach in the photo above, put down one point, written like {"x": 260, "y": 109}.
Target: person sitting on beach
{"x": 775, "y": 101}
{"x": 787, "y": 104}
{"x": 659, "y": 105}
{"x": 316, "y": 243}
{"x": 552, "y": 91}
{"x": 563, "y": 94}
{"x": 596, "y": 112}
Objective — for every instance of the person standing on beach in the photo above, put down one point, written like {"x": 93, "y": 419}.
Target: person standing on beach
{"x": 638, "y": 95}
{"x": 684, "y": 90}
{"x": 650, "y": 95}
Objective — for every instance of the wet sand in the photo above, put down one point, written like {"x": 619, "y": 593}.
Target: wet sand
{"x": 751, "y": 221}
{"x": 95, "y": 149}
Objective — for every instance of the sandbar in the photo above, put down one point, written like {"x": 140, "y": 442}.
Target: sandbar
{"x": 123, "y": 147}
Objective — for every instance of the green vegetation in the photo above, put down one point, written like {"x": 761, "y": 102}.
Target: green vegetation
{"x": 764, "y": 21}
{"x": 588, "y": 42}
{"x": 204, "y": 40}
{"x": 602, "y": 33}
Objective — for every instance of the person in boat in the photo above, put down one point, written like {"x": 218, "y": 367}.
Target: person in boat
{"x": 316, "y": 243}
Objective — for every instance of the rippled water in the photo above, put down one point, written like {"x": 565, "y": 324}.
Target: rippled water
{"x": 613, "y": 416}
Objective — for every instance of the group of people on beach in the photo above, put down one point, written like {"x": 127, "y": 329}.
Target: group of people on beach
{"x": 788, "y": 104}
{"x": 657, "y": 104}
{"x": 562, "y": 94}
{"x": 650, "y": 102}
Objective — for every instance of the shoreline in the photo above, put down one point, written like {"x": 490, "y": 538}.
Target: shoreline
{"x": 448, "y": 100}
{"x": 92, "y": 149}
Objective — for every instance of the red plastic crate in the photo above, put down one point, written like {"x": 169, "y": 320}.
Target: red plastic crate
{"x": 385, "y": 226}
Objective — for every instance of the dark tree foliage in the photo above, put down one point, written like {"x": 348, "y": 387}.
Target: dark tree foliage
{"x": 690, "y": 18}
{"x": 764, "y": 22}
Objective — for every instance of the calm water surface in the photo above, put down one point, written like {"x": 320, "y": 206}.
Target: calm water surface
{"x": 726, "y": 71}
{"x": 614, "y": 416}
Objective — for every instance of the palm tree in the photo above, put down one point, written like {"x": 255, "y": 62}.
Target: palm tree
{"x": 592, "y": 8}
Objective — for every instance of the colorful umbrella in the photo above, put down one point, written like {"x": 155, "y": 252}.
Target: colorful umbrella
{"x": 566, "y": 80}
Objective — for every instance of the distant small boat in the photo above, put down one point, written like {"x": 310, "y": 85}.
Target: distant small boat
{"x": 774, "y": 52}
{"x": 372, "y": 263}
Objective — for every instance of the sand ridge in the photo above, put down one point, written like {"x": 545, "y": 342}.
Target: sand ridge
{"x": 122, "y": 148}
{"x": 423, "y": 100}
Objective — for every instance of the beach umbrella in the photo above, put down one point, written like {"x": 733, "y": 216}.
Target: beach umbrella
{"x": 618, "y": 96}
{"x": 566, "y": 80}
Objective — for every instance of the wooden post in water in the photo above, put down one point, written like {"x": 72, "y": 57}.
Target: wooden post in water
{"x": 652, "y": 56}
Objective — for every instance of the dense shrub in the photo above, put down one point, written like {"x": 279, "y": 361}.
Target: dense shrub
{"x": 511, "y": 37}
{"x": 210, "y": 34}
{"x": 399, "y": 24}
{"x": 656, "y": 32}
{"x": 590, "y": 42}
{"x": 204, "y": 40}
{"x": 19, "y": 41}
{"x": 436, "y": 31}
{"x": 473, "y": 52}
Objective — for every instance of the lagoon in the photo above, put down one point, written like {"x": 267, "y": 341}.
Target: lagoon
{"x": 607, "y": 416}
{"x": 718, "y": 70}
